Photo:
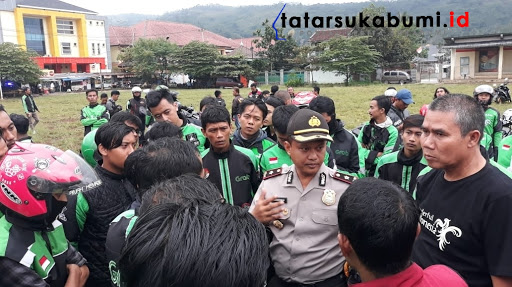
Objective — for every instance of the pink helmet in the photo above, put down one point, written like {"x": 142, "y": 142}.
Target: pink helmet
{"x": 29, "y": 173}
{"x": 423, "y": 110}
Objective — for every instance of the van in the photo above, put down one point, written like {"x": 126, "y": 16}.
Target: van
{"x": 227, "y": 83}
{"x": 399, "y": 77}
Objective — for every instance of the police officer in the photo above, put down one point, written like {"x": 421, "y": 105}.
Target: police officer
{"x": 299, "y": 205}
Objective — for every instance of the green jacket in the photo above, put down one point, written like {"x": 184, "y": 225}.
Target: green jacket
{"x": 192, "y": 133}
{"x": 505, "y": 153}
{"x": 493, "y": 128}
{"x": 397, "y": 168}
{"x": 93, "y": 116}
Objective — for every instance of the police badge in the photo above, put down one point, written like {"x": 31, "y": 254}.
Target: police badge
{"x": 329, "y": 197}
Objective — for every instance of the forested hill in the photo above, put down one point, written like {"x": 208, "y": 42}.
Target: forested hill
{"x": 485, "y": 17}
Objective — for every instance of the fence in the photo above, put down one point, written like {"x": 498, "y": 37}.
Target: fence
{"x": 275, "y": 77}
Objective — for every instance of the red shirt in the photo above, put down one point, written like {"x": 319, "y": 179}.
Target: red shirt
{"x": 414, "y": 276}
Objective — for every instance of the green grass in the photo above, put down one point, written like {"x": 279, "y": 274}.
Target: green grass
{"x": 60, "y": 113}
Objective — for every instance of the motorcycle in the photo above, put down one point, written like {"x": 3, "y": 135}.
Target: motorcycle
{"x": 502, "y": 93}
{"x": 506, "y": 122}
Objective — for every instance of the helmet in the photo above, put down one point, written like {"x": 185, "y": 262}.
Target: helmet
{"x": 30, "y": 173}
{"x": 136, "y": 89}
{"x": 89, "y": 148}
{"x": 506, "y": 118}
{"x": 424, "y": 110}
{"x": 390, "y": 93}
{"x": 484, "y": 89}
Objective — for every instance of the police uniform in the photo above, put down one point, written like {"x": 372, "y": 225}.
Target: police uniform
{"x": 304, "y": 248}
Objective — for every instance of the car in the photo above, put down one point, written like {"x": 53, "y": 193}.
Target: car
{"x": 227, "y": 83}
{"x": 399, "y": 77}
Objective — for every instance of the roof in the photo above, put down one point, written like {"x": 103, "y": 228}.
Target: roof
{"x": 178, "y": 33}
{"x": 478, "y": 41}
{"x": 324, "y": 35}
{"x": 53, "y": 5}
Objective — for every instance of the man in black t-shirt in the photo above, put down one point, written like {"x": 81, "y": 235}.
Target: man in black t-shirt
{"x": 465, "y": 202}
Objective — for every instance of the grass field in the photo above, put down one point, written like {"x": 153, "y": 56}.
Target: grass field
{"x": 60, "y": 113}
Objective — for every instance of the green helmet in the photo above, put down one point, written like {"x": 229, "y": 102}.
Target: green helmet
{"x": 89, "y": 148}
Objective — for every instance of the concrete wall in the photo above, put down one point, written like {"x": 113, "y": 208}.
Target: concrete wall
{"x": 507, "y": 60}
{"x": 8, "y": 27}
{"x": 97, "y": 34}
{"x": 473, "y": 65}
{"x": 323, "y": 77}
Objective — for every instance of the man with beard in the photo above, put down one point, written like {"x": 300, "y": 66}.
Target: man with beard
{"x": 403, "y": 167}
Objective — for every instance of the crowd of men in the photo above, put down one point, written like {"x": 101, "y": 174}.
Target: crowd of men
{"x": 268, "y": 194}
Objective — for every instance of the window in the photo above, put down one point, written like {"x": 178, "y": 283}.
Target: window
{"x": 66, "y": 48}
{"x": 393, "y": 74}
{"x": 464, "y": 66}
{"x": 34, "y": 35}
{"x": 93, "y": 50}
{"x": 65, "y": 27}
{"x": 98, "y": 48}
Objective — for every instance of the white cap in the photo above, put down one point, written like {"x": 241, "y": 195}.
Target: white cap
{"x": 390, "y": 93}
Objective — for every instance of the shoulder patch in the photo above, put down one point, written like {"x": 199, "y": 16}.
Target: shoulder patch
{"x": 273, "y": 173}
{"x": 343, "y": 177}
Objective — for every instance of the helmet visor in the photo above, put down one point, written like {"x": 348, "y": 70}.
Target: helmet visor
{"x": 67, "y": 173}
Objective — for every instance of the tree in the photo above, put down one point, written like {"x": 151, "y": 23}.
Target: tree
{"x": 233, "y": 66}
{"x": 150, "y": 59}
{"x": 397, "y": 46}
{"x": 198, "y": 60}
{"x": 347, "y": 56}
{"x": 277, "y": 53}
{"x": 17, "y": 64}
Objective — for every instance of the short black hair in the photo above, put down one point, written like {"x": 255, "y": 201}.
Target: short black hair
{"x": 469, "y": 114}
{"x": 207, "y": 101}
{"x": 383, "y": 102}
{"x": 91, "y": 90}
{"x": 253, "y": 102}
{"x": 159, "y": 160}
{"x": 154, "y": 98}
{"x": 104, "y": 96}
{"x": 215, "y": 114}
{"x": 20, "y": 122}
{"x": 380, "y": 219}
{"x": 283, "y": 96}
{"x": 323, "y": 104}
{"x": 163, "y": 129}
{"x": 274, "y": 89}
{"x": 126, "y": 116}
{"x": 237, "y": 90}
{"x": 414, "y": 121}
{"x": 265, "y": 92}
{"x": 253, "y": 85}
{"x": 111, "y": 134}
{"x": 281, "y": 117}
{"x": 273, "y": 101}
{"x": 114, "y": 92}
{"x": 316, "y": 89}
{"x": 180, "y": 189}
{"x": 217, "y": 93}
{"x": 195, "y": 245}
{"x": 2, "y": 108}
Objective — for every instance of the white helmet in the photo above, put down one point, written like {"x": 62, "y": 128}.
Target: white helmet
{"x": 483, "y": 89}
{"x": 136, "y": 89}
{"x": 506, "y": 118}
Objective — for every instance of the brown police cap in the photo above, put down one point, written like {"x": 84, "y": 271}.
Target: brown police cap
{"x": 307, "y": 125}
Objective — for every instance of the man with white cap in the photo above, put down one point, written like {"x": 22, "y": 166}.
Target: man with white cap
{"x": 299, "y": 205}
{"x": 483, "y": 94}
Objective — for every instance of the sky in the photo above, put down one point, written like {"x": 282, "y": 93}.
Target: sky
{"x": 159, "y": 7}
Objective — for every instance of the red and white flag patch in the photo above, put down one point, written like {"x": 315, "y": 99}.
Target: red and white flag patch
{"x": 505, "y": 147}
{"x": 44, "y": 262}
{"x": 272, "y": 160}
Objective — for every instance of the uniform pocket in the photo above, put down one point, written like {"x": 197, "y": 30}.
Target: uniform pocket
{"x": 327, "y": 217}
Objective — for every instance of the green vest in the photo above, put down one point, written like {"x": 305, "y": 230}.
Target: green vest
{"x": 192, "y": 133}
{"x": 37, "y": 255}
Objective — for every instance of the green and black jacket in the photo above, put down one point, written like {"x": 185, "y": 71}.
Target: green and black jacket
{"x": 93, "y": 116}
{"x": 234, "y": 173}
{"x": 258, "y": 144}
{"x": 397, "y": 168}
{"x": 493, "y": 128}
{"x": 347, "y": 150}
{"x": 377, "y": 139}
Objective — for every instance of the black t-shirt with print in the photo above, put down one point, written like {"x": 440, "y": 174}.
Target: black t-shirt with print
{"x": 466, "y": 224}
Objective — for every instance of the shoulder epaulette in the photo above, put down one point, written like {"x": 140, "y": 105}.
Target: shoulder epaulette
{"x": 344, "y": 177}
{"x": 273, "y": 173}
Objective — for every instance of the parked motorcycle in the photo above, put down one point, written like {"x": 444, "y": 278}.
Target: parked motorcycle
{"x": 506, "y": 122}
{"x": 502, "y": 93}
